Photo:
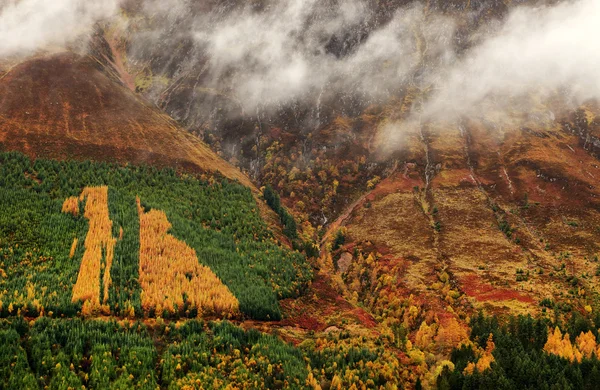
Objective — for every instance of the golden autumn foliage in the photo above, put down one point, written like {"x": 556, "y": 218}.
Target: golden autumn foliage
{"x": 336, "y": 382}
{"x": 312, "y": 383}
{"x": 439, "y": 369}
{"x": 416, "y": 356}
{"x": 440, "y": 336}
{"x": 73, "y": 248}
{"x": 485, "y": 360}
{"x": 451, "y": 334}
{"x": 560, "y": 345}
{"x": 424, "y": 336}
{"x": 99, "y": 239}
{"x": 169, "y": 269}
{"x": 586, "y": 343}
{"x": 71, "y": 206}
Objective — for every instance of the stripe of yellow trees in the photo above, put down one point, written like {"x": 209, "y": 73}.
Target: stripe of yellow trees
{"x": 99, "y": 238}
{"x": 73, "y": 248}
{"x": 169, "y": 269}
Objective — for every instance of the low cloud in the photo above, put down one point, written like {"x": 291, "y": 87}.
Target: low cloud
{"x": 299, "y": 50}
{"x": 27, "y": 26}
{"x": 541, "y": 51}
{"x": 284, "y": 52}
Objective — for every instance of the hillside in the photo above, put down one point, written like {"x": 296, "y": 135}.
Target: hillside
{"x": 63, "y": 106}
{"x": 474, "y": 219}
{"x": 493, "y": 200}
{"x": 116, "y": 267}
{"x": 74, "y": 241}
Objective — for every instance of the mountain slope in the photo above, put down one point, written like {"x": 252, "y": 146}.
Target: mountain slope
{"x": 478, "y": 218}
{"x": 62, "y": 106}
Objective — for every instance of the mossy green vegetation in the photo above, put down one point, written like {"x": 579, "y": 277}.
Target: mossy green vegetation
{"x": 96, "y": 354}
{"x": 125, "y": 293}
{"x": 216, "y": 217}
{"x": 71, "y": 353}
{"x": 225, "y": 354}
{"x": 274, "y": 201}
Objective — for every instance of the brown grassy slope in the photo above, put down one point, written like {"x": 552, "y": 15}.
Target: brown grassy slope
{"x": 62, "y": 106}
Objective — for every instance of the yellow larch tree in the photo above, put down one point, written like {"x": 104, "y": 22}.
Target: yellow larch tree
{"x": 425, "y": 335}
{"x": 73, "y": 248}
{"x": 586, "y": 343}
{"x": 336, "y": 383}
{"x": 312, "y": 383}
{"x": 169, "y": 269}
{"x": 554, "y": 343}
{"x": 451, "y": 334}
{"x": 71, "y": 206}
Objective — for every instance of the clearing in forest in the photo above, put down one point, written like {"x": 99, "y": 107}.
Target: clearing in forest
{"x": 170, "y": 274}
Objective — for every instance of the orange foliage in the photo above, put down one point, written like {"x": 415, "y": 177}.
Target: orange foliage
{"x": 560, "y": 345}
{"x": 312, "y": 383}
{"x": 71, "y": 206}
{"x": 336, "y": 383}
{"x": 169, "y": 268}
{"x": 450, "y": 335}
{"x": 489, "y": 348}
{"x": 99, "y": 238}
{"x": 484, "y": 361}
{"x": 586, "y": 343}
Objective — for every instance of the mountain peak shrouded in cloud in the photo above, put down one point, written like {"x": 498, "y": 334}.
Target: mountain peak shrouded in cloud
{"x": 27, "y": 26}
